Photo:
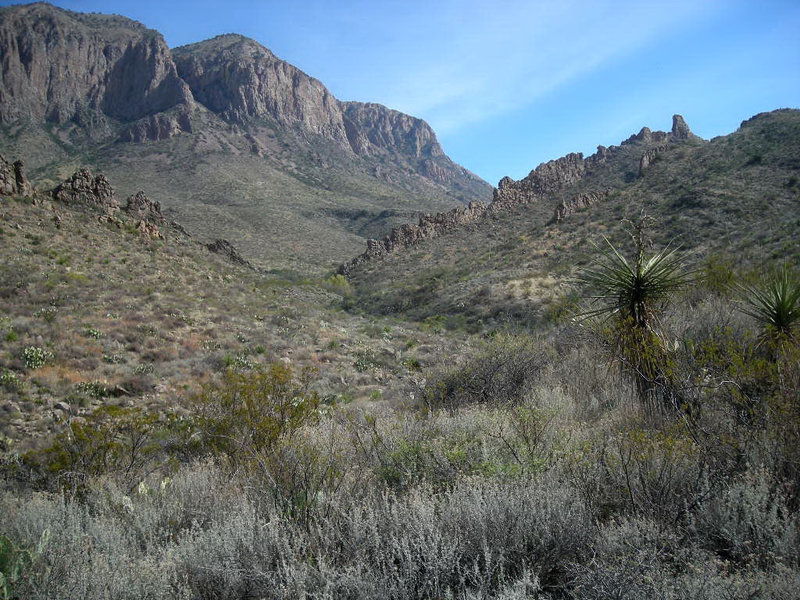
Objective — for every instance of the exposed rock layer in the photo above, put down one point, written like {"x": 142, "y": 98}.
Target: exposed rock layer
{"x": 576, "y": 204}
{"x": 226, "y": 249}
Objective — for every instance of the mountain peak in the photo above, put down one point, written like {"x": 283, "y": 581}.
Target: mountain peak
{"x": 680, "y": 130}
{"x": 119, "y": 68}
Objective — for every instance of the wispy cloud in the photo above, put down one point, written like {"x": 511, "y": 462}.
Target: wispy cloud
{"x": 491, "y": 60}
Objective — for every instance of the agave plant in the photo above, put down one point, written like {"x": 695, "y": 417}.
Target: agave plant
{"x": 631, "y": 293}
{"x": 775, "y": 304}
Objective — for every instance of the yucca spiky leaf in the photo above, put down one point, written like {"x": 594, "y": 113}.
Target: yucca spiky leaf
{"x": 632, "y": 289}
{"x": 775, "y": 304}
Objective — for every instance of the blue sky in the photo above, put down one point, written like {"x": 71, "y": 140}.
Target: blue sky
{"x": 509, "y": 84}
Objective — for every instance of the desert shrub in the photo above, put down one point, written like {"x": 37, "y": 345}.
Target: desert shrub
{"x": 338, "y": 284}
{"x": 482, "y": 536}
{"x": 501, "y": 372}
{"x": 251, "y": 412}
{"x": 653, "y": 473}
{"x": 775, "y": 304}
{"x": 629, "y": 560}
{"x": 629, "y": 295}
{"x": 136, "y": 385}
{"x": 18, "y": 564}
{"x": 749, "y": 521}
{"x": 239, "y": 556}
{"x": 89, "y": 553}
{"x": 9, "y": 380}
{"x": 93, "y": 389}
{"x": 13, "y": 279}
{"x": 718, "y": 274}
{"x": 640, "y": 560}
{"x": 516, "y": 527}
{"x": 125, "y": 443}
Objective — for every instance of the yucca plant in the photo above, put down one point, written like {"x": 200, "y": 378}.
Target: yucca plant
{"x": 636, "y": 290}
{"x": 631, "y": 294}
{"x": 775, "y": 304}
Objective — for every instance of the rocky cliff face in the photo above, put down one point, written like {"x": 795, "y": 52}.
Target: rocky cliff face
{"x": 374, "y": 129}
{"x": 239, "y": 79}
{"x": 59, "y": 66}
{"x": 117, "y": 80}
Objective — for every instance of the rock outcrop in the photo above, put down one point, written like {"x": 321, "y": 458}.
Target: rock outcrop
{"x": 84, "y": 188}
{"x": 576, "y": 204}
{"x": 649, "y": 157}
{"x": 226, "y": 249}
{"x": 429, "y": 226}
{"x": 680, "y": 130}
{"x": 146, "y": 215}
{"x": 13, "y": 181}
{"x": 158, "y": 127}
{"x": 141, "y": 208}
{"x": 542, "y": 183}
{"x": 59, "y": 66}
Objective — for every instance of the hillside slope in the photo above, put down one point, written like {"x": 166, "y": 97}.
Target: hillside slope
{"x": 735, "y": 196}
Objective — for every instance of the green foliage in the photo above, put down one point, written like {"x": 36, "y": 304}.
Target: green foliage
{"x": 338, "y": 284}
{"x": 9, "y": 380}
{"x": 143, "y": 369}
{"x": 127, "y": 443}
{"x": 717, "y": 273}
{"x": 775, "y": 304}
{"x": 47, "y": 313}
{"x": 249, "y": 413}
{"x": 93, "y": 389}
{"x": 633, "y": 291}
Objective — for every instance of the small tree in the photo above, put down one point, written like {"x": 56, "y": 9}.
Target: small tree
{"x": 632, "y": 294}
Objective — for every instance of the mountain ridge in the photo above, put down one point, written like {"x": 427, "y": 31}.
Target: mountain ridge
{"x": 107, "y": 93}
{"x": 543, "y": 181}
